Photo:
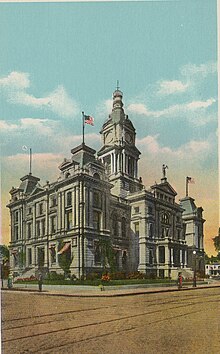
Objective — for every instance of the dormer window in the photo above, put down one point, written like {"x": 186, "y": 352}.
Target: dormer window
{"x": 136, "y": 210}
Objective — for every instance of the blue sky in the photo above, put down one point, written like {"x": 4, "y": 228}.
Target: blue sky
{"x": 58, "y": 59}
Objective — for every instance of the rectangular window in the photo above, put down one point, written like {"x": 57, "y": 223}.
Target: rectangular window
{"x": 16, "y": 232}
{"x": 29, "y": 210}
{"x": 43, "y": 227}
{"x": 69, "y": 199}
{"x": 53, "y": 224}
{"x": 97, "y": 200}
{"x": 96, "y": 220}
{"x": 53, "y": 201}
{"x": 136, "y": 229}
{"x": 40, "y": 208}
{"x": 69, "y": 220}
{"x": 38, "y": 228}
{"x": 29, "y": 230}
{"x": 136, "y": 210}
{"x": 29, "y": 256}
{"x": 161, "y": 254}
{"x": 16, "y": 216}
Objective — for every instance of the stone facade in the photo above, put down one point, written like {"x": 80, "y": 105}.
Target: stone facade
{"x": 99, "y": 201}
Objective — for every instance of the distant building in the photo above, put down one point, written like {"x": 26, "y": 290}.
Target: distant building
{"x": 212, "y": 270}
{"x": 99, "y": 201}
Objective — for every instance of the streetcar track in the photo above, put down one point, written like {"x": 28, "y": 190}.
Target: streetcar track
{"x": 57, "y": 313}
{"x": 93, "y": 324}
{"x": 113, "y": 332}
{"x": 93, "y": 309}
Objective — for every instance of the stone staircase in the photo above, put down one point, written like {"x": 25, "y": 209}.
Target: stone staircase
{"x": 26, "y": 273}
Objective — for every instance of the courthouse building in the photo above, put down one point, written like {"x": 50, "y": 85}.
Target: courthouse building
{"x": 99, "y": 199}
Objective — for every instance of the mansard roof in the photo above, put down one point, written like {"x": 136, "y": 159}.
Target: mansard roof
{"x": 29, "y": 183}
{"x": 83, "y": 154}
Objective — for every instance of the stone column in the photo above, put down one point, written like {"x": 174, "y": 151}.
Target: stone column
{"x": 34, "y": 221}
{"x": 47, "y": 216}
{"x": 185, "y": 258}
{"x": 142, "y": 255}
{"x": 181, "y": 258}
{"x": 63, "y": 210}
{"x": 59, "y": 211}
{"x": 77, "y": 206}
{"x": 112, "y": 167}
{"x": 171, "y": 253}
{"x": 156, "y": 255}
{"x": 167, "y": 256}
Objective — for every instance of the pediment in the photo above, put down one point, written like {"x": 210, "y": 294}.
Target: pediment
{"x": 165, "y": 187}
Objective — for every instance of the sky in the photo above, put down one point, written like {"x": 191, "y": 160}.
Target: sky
{"x": 59, "y": 59}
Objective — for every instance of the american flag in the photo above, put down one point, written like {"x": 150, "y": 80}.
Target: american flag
{"x": 190, "y": 180}
{"x": 89, "y": 120}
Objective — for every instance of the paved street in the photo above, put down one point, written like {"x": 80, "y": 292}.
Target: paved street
{"x": 172, "y": 322}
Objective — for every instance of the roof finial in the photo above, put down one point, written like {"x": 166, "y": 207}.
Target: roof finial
{"x": 117, "y": 88}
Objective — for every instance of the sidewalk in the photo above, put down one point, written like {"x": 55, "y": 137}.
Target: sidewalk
{"x": 109, "y": 291}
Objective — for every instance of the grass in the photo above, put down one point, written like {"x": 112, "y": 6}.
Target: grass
{"x": 98, "y": 282}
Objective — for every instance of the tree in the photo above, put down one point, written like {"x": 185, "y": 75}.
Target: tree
{"x": 4, "y": 251}
{"x": 64, "y": 259}
{"x": 107, "y": 255}
{"x": 216, "y": 241}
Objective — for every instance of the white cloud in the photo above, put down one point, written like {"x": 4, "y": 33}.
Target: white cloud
{"x": 193, "y": 149}
{"x": 171, "y": 87}
{"x": 140, "y": 108}
{"x": 5, "y": 126}
{"x": 15, "y": 81}
{"x": 58, "y": 101}
{"x": 34, "y": 125}
{"x": 203, "y": 70}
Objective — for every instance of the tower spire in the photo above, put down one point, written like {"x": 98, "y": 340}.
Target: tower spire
{"x": 117, "y": 87}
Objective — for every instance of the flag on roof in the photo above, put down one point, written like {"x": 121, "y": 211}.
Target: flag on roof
{"x": 190, "y": 180}
{"x": 89, "y": 120}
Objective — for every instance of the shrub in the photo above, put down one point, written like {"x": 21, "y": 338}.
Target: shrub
{"x": 135, "y": 275}
{"x": 105, "y": 278}
{"x": 93, "y": 276}
{"x": 55, "y": 276}
{"x": 118, "y": 275}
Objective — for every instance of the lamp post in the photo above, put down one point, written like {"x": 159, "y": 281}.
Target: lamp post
{"x": 194, "y": 273}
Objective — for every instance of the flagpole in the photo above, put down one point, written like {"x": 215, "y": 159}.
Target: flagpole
{"x": 83, "y": 127}
{"x": 187, "y": 187}
{"x": 30, "y": 161}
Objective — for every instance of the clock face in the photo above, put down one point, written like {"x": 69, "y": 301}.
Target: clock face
{"x": 128, "y": 138}
{"x": 109, "y": 137}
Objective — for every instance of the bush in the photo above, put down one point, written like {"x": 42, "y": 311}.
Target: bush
{"x": 135, "y": 275}
{"x": 118, "y": 275}
{"x": 93, "y": 276}
{"x": 55, "y": 276}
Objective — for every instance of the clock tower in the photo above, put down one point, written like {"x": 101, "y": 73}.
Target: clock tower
{"x": 118, "y": 152}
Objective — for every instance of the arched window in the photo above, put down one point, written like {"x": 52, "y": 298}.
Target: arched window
{"x": 165, "y": 218}
{"x": 96, "y": 175}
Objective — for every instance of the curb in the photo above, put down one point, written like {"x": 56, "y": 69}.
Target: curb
{"x": 153, "y": 291}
